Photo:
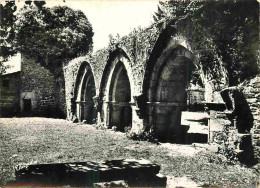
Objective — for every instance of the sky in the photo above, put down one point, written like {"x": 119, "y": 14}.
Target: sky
{"x": 112, "y": 17}
{"x": 108, "y": 16}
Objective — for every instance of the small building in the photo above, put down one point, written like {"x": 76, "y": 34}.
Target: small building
{"x": 32, "y": 90}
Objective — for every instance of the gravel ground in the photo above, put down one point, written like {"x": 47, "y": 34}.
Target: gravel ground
{"x": 43, "y": 140}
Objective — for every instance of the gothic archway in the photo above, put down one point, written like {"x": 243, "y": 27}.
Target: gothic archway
{"x": 84, "y": 93}
{"x": 120, "y": 111}
{"x": 166, "y": 94}
{"x": 117, "y": 107}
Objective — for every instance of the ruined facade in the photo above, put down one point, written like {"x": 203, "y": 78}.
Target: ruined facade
{"x": 32, "y": 91}
{"x": 145, "y": 82}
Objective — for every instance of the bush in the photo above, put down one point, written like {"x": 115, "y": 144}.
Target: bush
{"x": 100, "y": 126}
{"x": 229, "y": 146}
{"x": 142, "y": 135}
{"x": 230, "y": 154}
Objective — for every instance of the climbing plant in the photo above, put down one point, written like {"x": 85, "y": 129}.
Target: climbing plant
{"x": 227, "y": 29}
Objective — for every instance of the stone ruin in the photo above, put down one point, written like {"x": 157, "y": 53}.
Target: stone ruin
{"x": 146, "y": 85}
{"x": 152, "y": 88}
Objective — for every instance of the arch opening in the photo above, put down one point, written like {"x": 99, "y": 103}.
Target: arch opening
{"x": 120, "y": 110}
{"x": 85, "y": 109}
{"x": 167, "y": 96}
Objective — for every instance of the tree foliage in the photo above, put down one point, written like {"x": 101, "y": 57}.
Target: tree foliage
{"x": 53, "y": 34}
{"x": 226, "y": 29}
{"x": 7, "y": 34}
{"x": 50, "y": 35}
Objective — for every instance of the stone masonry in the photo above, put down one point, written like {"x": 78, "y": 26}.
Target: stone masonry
{"x": 39, "y": 86}
{"x": 251, "y": 90}
{"x": 155, "y": 62}
{"x": 10, "y": 94}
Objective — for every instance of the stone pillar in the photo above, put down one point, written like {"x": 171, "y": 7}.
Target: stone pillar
{"x": 107, "y": 112}
{"x": 97, "y": 105}
{"x": 79, "y": 110}
{"x": 137, "y": 123}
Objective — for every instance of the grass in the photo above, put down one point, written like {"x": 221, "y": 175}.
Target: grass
{"x": 42, "y": 140}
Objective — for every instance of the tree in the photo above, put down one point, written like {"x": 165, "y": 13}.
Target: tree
{"x": 52, "y": 35}
{"x": 7, "y": 34}
{"x": 228, "y": 29}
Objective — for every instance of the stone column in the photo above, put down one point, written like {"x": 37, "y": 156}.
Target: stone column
{"x": 97, "y": 105}
{"x": 137, "y": 123}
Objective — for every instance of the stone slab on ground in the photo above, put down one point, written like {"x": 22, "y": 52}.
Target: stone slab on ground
{"x": 134, "y": 172}
{"x": 120, "y": 183}
{"x": 179, "y": 182}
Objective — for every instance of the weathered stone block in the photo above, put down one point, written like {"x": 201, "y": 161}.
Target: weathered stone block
{"x": 134, "y": 172}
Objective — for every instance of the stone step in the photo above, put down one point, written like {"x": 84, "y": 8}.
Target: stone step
{"x": 134, "y": 172}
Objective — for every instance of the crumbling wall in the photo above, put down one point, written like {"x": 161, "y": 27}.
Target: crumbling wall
{"x": 251, "y": 90}
{"x": 240, "y": 120}
{"x": 70, "y": 75}
{"x": 71, "y": 69}
{"x": 37, "y": 86}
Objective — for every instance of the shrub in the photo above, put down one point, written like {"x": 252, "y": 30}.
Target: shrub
{"x": 100, "y": 126}
{"x": 142, "y": 134}
{"x": 229, "y": 137}
{"x": 230, "y": 154}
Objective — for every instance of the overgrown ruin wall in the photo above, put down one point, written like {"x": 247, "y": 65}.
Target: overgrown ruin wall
{"x": 251, "y": 90}
{"x": 39, "y": 90}
{"x": 139, "y": 53}
{"x": 71, "y": 69}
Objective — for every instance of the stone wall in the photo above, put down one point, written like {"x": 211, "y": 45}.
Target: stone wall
{"x": 38, "y": 87}
{"x": 251, "y": 90}
{"x": 139, "y": 52}
{"x": 10, "y": 94}
{"x": 97, "y": 63}
{"x": 70, "y": 74}
{"x": 240, "y": 120}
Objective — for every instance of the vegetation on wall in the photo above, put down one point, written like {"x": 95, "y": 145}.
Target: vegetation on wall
{"x": 224, "y": 29}
{"x": 223, "y": 34}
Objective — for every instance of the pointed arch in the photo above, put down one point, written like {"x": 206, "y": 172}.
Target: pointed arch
{"x": 116, "y": 91}
{"x": 166, "y": 78}
{"x": 84, "y": 91}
